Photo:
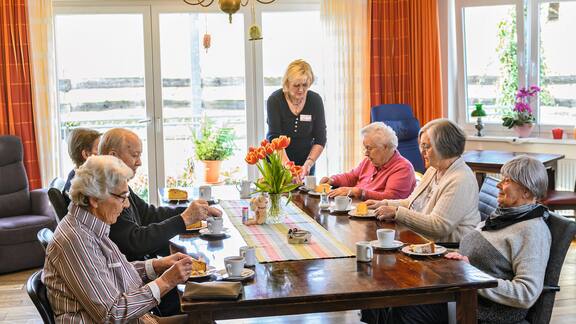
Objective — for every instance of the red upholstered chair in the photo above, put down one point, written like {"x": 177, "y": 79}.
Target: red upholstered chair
{"x": 561, "y": 200}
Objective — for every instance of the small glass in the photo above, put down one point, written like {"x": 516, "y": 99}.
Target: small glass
{"x": 324, "y": 201}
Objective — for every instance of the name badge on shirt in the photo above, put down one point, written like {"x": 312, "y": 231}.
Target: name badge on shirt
{"x": 306, "y": 118}
{"x": 114, "y": 265}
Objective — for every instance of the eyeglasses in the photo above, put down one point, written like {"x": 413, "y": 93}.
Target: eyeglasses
{"x": 123, "y": 198}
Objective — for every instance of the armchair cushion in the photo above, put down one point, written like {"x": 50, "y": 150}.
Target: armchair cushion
{"x": 41, "y": 203}
{"x": 14, "y": 195}
{"x": 23, "y": 228}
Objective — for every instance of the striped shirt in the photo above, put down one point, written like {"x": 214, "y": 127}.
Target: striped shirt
{"x": 89, "y": 280}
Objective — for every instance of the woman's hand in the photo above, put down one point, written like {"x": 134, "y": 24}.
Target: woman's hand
{"x": 345, "y": 191}
{"x": 457, "y": 256}
{"x": 199, "y": 210}
{"x": 160, "y": 265}
{"x": 373, "y": 204}
{"x": 308, "y": 164}
{"x": 325, "y": 180}
{"x": 178, "y": 273}
{"x": 386, "y": 212}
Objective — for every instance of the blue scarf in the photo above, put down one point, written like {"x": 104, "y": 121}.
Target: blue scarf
{"x": 503, "y": 217}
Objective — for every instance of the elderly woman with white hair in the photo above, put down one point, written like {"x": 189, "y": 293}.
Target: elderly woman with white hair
{"x": 444, "y": 206}
{"x": 87, "y": 277}
{"x": 382, "y": 174}
{"x": 512, "y": 245}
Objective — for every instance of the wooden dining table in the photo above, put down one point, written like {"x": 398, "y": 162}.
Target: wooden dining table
{"x": 490, "y": 161}
{"x": 324, "y": 285}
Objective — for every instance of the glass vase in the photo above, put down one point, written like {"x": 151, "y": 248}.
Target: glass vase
{"x": 275, "y": 214}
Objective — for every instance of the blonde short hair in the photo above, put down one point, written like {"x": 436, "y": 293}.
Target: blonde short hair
{"x": 295, "y": 69}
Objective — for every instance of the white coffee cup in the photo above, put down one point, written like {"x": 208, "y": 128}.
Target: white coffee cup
{"x": 215, "y": 224}
{"x": 249, "y": 255}
{"x": 364, "y": 252}
{"x": 310, "y": 182}
{"x": 244, "y": 189}
{"x": 205, "y": 192}
{"x": 342, "y": 202}
{"x": 385, "y": 237}
{"x": 234, "y": 265}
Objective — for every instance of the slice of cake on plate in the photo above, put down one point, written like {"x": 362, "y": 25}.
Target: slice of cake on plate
{"x": 362, "y": 209}
{"x": 323, "y": 187}
{"x": 198, "y": 267}
{"x": 429, "y": 247}
{"x": 177, "y": 194}
{"x": 194, "y": 226}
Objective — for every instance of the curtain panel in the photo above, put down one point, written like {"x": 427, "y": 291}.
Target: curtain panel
{"x": 405, "y": 56}
{"x": 43, "y": 69}
{"x": 347, "y": 70}
{"x": 16, "y": 115}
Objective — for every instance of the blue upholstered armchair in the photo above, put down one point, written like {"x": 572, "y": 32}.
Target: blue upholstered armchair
{"x": 22, "y": 212}
{"x": 401, "y": 119}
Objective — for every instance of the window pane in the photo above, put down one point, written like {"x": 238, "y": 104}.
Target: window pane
{"x": 490, "y": 58}
{"x": 557, "y": 64}
{"x": 100, "y": 69}
{"x": 198, "y": 82}
{"x": 283, "y": 45}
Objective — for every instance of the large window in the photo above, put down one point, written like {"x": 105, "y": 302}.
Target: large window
{"x": 504, "y": 45}
{"x": 144, "y": 67}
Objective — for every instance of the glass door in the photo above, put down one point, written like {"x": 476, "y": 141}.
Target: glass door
{"x": 102, "y": 79}
{"x": 200, "y": 83}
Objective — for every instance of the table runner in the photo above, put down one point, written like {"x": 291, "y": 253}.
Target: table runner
{"x": 271, "y": 242}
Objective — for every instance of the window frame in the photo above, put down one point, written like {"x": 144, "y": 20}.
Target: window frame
{"x": 151, "y": 10}
{"x": 528, "y": 40}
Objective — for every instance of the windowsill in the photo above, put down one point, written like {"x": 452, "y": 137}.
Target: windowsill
{"x": 518, "y": 140}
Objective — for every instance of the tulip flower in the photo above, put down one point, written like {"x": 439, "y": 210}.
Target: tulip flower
{"x": 251, "y": 158}
{"x": 264, "y": 143}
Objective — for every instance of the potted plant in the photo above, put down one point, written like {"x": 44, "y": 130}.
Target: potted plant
{"x": 520, "y": 117}
{"x": 212, "y": 147}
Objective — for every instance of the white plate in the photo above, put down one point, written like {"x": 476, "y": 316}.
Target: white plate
{"x": 210, "y": 270}
{"x": 204, "y": 225}
{"x": 206, "y": 232}
{"x": 376, "y": 244}
{"x": 246, "y": 274}
{"x": 303, "y": 188}
{"x": 371, "y": 214}
{"x": 439, "y": 251}
{"x": 315, "y": 193}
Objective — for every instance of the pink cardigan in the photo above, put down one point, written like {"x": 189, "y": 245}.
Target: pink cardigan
{"x": 394, "y": 180}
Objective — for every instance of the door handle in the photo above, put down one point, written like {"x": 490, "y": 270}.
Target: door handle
{"x": 145, "y": 121}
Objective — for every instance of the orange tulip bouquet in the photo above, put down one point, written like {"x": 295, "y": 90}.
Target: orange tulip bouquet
{"x": 277, "y": 177}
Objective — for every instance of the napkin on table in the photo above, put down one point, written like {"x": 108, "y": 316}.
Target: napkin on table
{"x": 212, "y": 290}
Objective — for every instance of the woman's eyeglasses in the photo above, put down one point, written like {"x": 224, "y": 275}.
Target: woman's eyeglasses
{"x": 123, "y": 198}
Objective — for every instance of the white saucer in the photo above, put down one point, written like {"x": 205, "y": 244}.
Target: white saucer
{"x": 303, "y": 188}
{"x": 206, "y": 232}
{"x": 315, "y": 193}
{"x": 210, "y": 270}
{"x": 246, "y": 274}
{"x": 439, "y": 250}
{"x": 333, "y": 210}
{"x": 376, "y": 244}
{"x": 371, "y": 213}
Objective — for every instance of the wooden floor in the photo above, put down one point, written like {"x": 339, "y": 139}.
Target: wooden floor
{"x": 16, "y": 307}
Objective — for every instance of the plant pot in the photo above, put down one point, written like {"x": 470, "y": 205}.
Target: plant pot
{"x": 212, "y": 171}
{"x": 524, "y": 130}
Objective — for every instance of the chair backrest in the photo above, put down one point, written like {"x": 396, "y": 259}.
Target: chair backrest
{"x": 58, "y": 202}
{"x": 57, "y": 183}
{"x": 562, "y": 231}
{"x": 37, "y": 292}
{"x": 14, "y": 193}
{"x": 402, "y": 121}
{"x": 488, "y": 197}
{"x": 45, "y": 236}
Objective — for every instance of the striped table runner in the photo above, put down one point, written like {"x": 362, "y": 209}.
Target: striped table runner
{"x": 271, "y": 240}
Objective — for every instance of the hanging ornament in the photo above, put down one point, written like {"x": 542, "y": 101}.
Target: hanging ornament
{"x": 254, "y": 32}
{"x": 206, "y": 41}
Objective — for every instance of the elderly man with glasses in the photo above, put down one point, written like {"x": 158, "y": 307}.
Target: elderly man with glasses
{"x": 383, "y": 174}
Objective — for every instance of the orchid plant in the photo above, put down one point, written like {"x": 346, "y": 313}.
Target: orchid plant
{"x": 521, "y": 114}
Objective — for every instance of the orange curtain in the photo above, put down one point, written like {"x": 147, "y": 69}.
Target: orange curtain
{"x": 405, "y": 56}
{"x": 16, "y": 116}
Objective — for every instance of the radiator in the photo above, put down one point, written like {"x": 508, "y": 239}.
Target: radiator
{"x": 566, "y": 175}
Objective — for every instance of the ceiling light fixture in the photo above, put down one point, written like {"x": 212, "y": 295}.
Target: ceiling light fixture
{"x": 228, "y": 6}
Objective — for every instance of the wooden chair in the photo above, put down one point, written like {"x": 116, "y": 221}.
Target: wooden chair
{"x": 561, "y": 200}
{"x": 37, "y": 293}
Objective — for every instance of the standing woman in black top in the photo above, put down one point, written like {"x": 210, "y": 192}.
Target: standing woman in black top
{"x": 298, "y": 113}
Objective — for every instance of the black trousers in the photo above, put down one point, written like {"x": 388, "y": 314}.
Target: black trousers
{"x": 170, "y": 304}
{"x": 419, "y": 314}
